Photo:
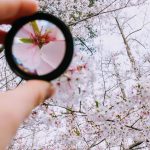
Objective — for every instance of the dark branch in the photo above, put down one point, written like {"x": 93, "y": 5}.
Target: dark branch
{"x": 85, "y": 45}
{"x": 135, "y": 145}
{"x": 133, "y": 128}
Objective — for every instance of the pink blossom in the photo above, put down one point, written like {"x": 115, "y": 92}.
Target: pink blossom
{"x": 39, "y": 53}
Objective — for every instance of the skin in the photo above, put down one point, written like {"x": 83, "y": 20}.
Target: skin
{"x": 17, "y": 104}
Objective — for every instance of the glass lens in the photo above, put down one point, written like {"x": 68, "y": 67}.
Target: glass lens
{"x": 39, "y": 47}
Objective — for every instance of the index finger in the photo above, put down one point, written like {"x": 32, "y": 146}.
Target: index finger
{"x": 10, "y": 10}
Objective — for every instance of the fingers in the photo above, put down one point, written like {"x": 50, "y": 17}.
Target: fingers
{"x": 23, "y": 99}
{"x": 17, "y": 104}
{"x": 2, "y": 36}
{"x": 10, "y": 10}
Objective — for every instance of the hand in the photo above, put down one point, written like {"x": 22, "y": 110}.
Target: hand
{"x": 16, "y": 105}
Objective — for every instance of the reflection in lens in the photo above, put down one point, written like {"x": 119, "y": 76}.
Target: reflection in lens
{"x": 39, "y": 47}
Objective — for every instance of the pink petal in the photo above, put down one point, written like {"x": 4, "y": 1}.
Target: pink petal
{"x": 53, "y": 53}
{"x": 27, "y": 54}
{"x": 25, "y": 31}
{"x": 34, "y": 60}
{"x": 22, "y": 51}
{"x": 44, "y": 68}
{"x": 56, "y": 33}
{"x": 60, "y": 35}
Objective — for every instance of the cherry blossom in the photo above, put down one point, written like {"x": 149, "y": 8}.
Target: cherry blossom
{"x": 39, "y": 47}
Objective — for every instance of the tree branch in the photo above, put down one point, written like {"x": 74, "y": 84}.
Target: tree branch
{"x": 99, "y": 13}
{"x": 135, "y": 145}
{"x": 85, "y": 45}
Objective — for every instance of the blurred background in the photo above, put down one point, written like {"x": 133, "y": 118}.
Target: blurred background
{"x": 102, "y": 100}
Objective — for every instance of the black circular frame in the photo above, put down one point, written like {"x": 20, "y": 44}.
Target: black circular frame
{"x": 18, "y": 25}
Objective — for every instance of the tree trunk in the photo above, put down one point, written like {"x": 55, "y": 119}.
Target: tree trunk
{"x": 129, "y": 52}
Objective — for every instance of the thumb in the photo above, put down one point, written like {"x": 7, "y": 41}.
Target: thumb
{"x": 16, "y": 105}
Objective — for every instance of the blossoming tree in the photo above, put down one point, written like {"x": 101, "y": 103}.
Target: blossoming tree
{"x": 102, "y": 100}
